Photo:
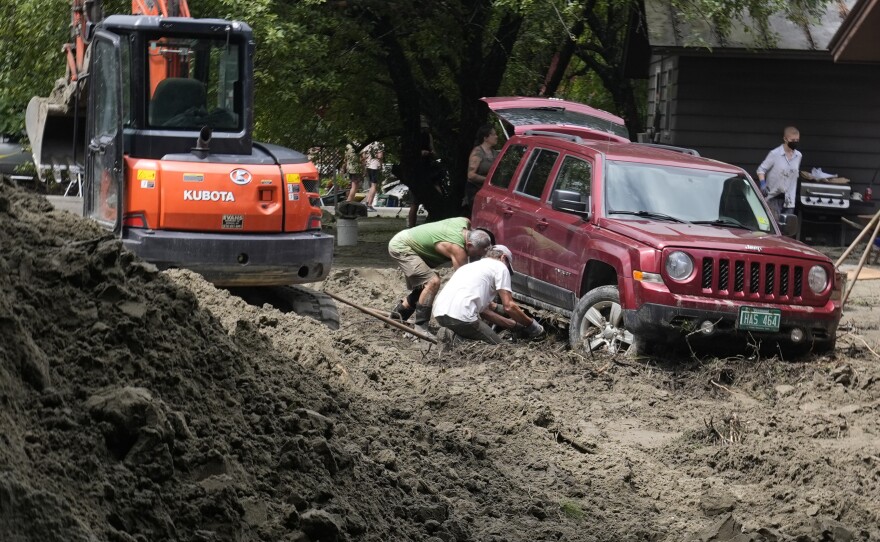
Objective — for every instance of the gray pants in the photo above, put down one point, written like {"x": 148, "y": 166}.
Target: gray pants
{"x": 478, "y": 331}
{"x": 776, "y": 206}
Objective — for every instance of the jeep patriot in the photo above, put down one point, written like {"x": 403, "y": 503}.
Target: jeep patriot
{"x": 639, "y": 245}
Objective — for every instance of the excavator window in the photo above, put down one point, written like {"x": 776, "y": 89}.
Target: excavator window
{"x": 193, "y": 84}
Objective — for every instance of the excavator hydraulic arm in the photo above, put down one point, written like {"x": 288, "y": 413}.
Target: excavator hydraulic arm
{"x": 165, "y": 8}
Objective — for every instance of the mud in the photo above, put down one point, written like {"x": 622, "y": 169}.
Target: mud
{"x": 139, "y": 405}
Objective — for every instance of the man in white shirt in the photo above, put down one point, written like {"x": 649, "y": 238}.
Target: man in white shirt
{"x": 466, "y": 304}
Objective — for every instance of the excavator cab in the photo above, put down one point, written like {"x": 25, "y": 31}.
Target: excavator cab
{"x": 168, "y": 159}
{"x": 172, "y": 166}
{"x": 154, "y": 85}
{"x": 155, "y": 117}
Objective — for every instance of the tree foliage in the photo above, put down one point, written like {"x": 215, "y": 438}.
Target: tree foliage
{"x": 31, "y": 34}
{"x": 332, "y": 72}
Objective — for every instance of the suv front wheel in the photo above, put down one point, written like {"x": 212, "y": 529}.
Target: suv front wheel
{"x": 597, "y": 325}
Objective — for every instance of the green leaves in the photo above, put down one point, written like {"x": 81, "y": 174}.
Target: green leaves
{"x": 31, "y": 34}
{"x": 329, "y": 72}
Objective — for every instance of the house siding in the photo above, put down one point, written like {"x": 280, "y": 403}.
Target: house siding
{"x": 734, "y": 110}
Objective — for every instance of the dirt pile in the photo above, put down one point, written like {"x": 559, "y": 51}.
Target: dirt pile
{"x": 129, "y": 413}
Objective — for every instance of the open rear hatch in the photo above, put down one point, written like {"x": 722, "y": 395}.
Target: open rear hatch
{"x": 520, "y": 114}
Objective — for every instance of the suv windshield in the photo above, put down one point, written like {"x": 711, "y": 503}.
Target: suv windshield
{"x": 691, "y": 195}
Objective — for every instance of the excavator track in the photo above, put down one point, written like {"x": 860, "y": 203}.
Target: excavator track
{"x": 297, "y": 299}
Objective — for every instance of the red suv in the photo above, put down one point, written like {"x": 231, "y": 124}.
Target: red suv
{"x": 638, "y": 245}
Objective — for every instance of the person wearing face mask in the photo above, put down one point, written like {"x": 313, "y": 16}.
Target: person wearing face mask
{"x": 778, "y": 173}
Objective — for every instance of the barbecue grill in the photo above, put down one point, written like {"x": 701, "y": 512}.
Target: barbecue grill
{"x": 820, "y": 207}
{"x": 824, "y": 197}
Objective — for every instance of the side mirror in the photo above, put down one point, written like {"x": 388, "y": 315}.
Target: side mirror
{"x": 569, "y": 201}
{"x": 789, "y": 224}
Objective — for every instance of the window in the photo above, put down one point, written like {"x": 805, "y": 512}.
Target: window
{"x": 194, "y": 83}
{"x": 537, "y": 172}
{"x": 575, "y": 175}
{"x": 125, "y": 49}
{"x": 507, "y": 166}
{"x": 688, "y": 194}
{"x": 660, "y": 101}
{"x": 106, "y": 90}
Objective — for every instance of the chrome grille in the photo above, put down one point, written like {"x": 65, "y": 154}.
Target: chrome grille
{"x": 756, "y": 279}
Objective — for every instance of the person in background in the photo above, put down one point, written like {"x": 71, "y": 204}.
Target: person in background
{"x": 373, "y": 155}
{"x": 426, "y": 161}
{"x": 353, "y": 167}
{"x": 466, "y": 305}
{"x": 480, "y": 161}
{"x": 420, "y": 249}
{"x": 778, "y": 173}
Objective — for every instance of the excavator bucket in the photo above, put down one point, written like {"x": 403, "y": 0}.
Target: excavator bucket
{"x": 56, "y": 136}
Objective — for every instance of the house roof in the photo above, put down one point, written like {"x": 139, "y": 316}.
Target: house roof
{"x": 857, "y": 40}
{"x": 668, "y": 30}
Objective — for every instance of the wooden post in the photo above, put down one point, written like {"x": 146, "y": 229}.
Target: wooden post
{"x": 863, "y": 258}
{"x": 859, "y": 238}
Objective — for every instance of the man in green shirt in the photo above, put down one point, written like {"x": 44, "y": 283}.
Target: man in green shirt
{"x": 419, "y": 250}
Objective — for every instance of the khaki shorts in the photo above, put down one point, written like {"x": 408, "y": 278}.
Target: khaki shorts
{"x": 416, "y": 271}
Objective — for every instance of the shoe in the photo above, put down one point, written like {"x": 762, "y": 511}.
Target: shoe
{"x": 423, "y": 329}
{"x": 422, "y": 317}
{"x": 534, "y": 330}
{"x": 371, "y": 209}
{"x": 445, "y": 336}
{"x": 401, "y": 313}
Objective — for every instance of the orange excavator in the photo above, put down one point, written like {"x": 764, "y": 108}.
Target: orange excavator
{"x": 155, "y": 118}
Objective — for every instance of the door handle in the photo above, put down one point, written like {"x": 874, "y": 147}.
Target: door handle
{"x": 542, "y": 224}
{"x": 97, "y": 148}
{"x": 507, "y": 212}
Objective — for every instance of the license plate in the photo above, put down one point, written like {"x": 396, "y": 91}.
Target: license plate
{"x": 758, "y": 319}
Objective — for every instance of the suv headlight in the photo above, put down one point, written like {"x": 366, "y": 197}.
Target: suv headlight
{"x": 817, "y": 279}
{"x": 679, "y": 265}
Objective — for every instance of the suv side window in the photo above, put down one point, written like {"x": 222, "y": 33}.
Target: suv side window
{"x": 507, "y": 166}
{"x": 575, "y": 175}
{"x": 537, "y": 172}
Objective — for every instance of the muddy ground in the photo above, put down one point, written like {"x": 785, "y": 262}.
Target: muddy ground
{"x": 138, "y": 405}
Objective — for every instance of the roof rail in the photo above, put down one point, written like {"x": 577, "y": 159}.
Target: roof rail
{"x": 567, "y": 137}
{"x": 684, "y": 150}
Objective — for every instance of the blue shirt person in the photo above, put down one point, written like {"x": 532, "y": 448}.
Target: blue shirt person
{"x": 778, "y": 173}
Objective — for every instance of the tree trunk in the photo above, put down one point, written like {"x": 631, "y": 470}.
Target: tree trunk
{"x": 561, "y": 60}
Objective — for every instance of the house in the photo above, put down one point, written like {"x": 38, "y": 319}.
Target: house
{"x": 857, "y": 39}
{"x": 730, "y": 96}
